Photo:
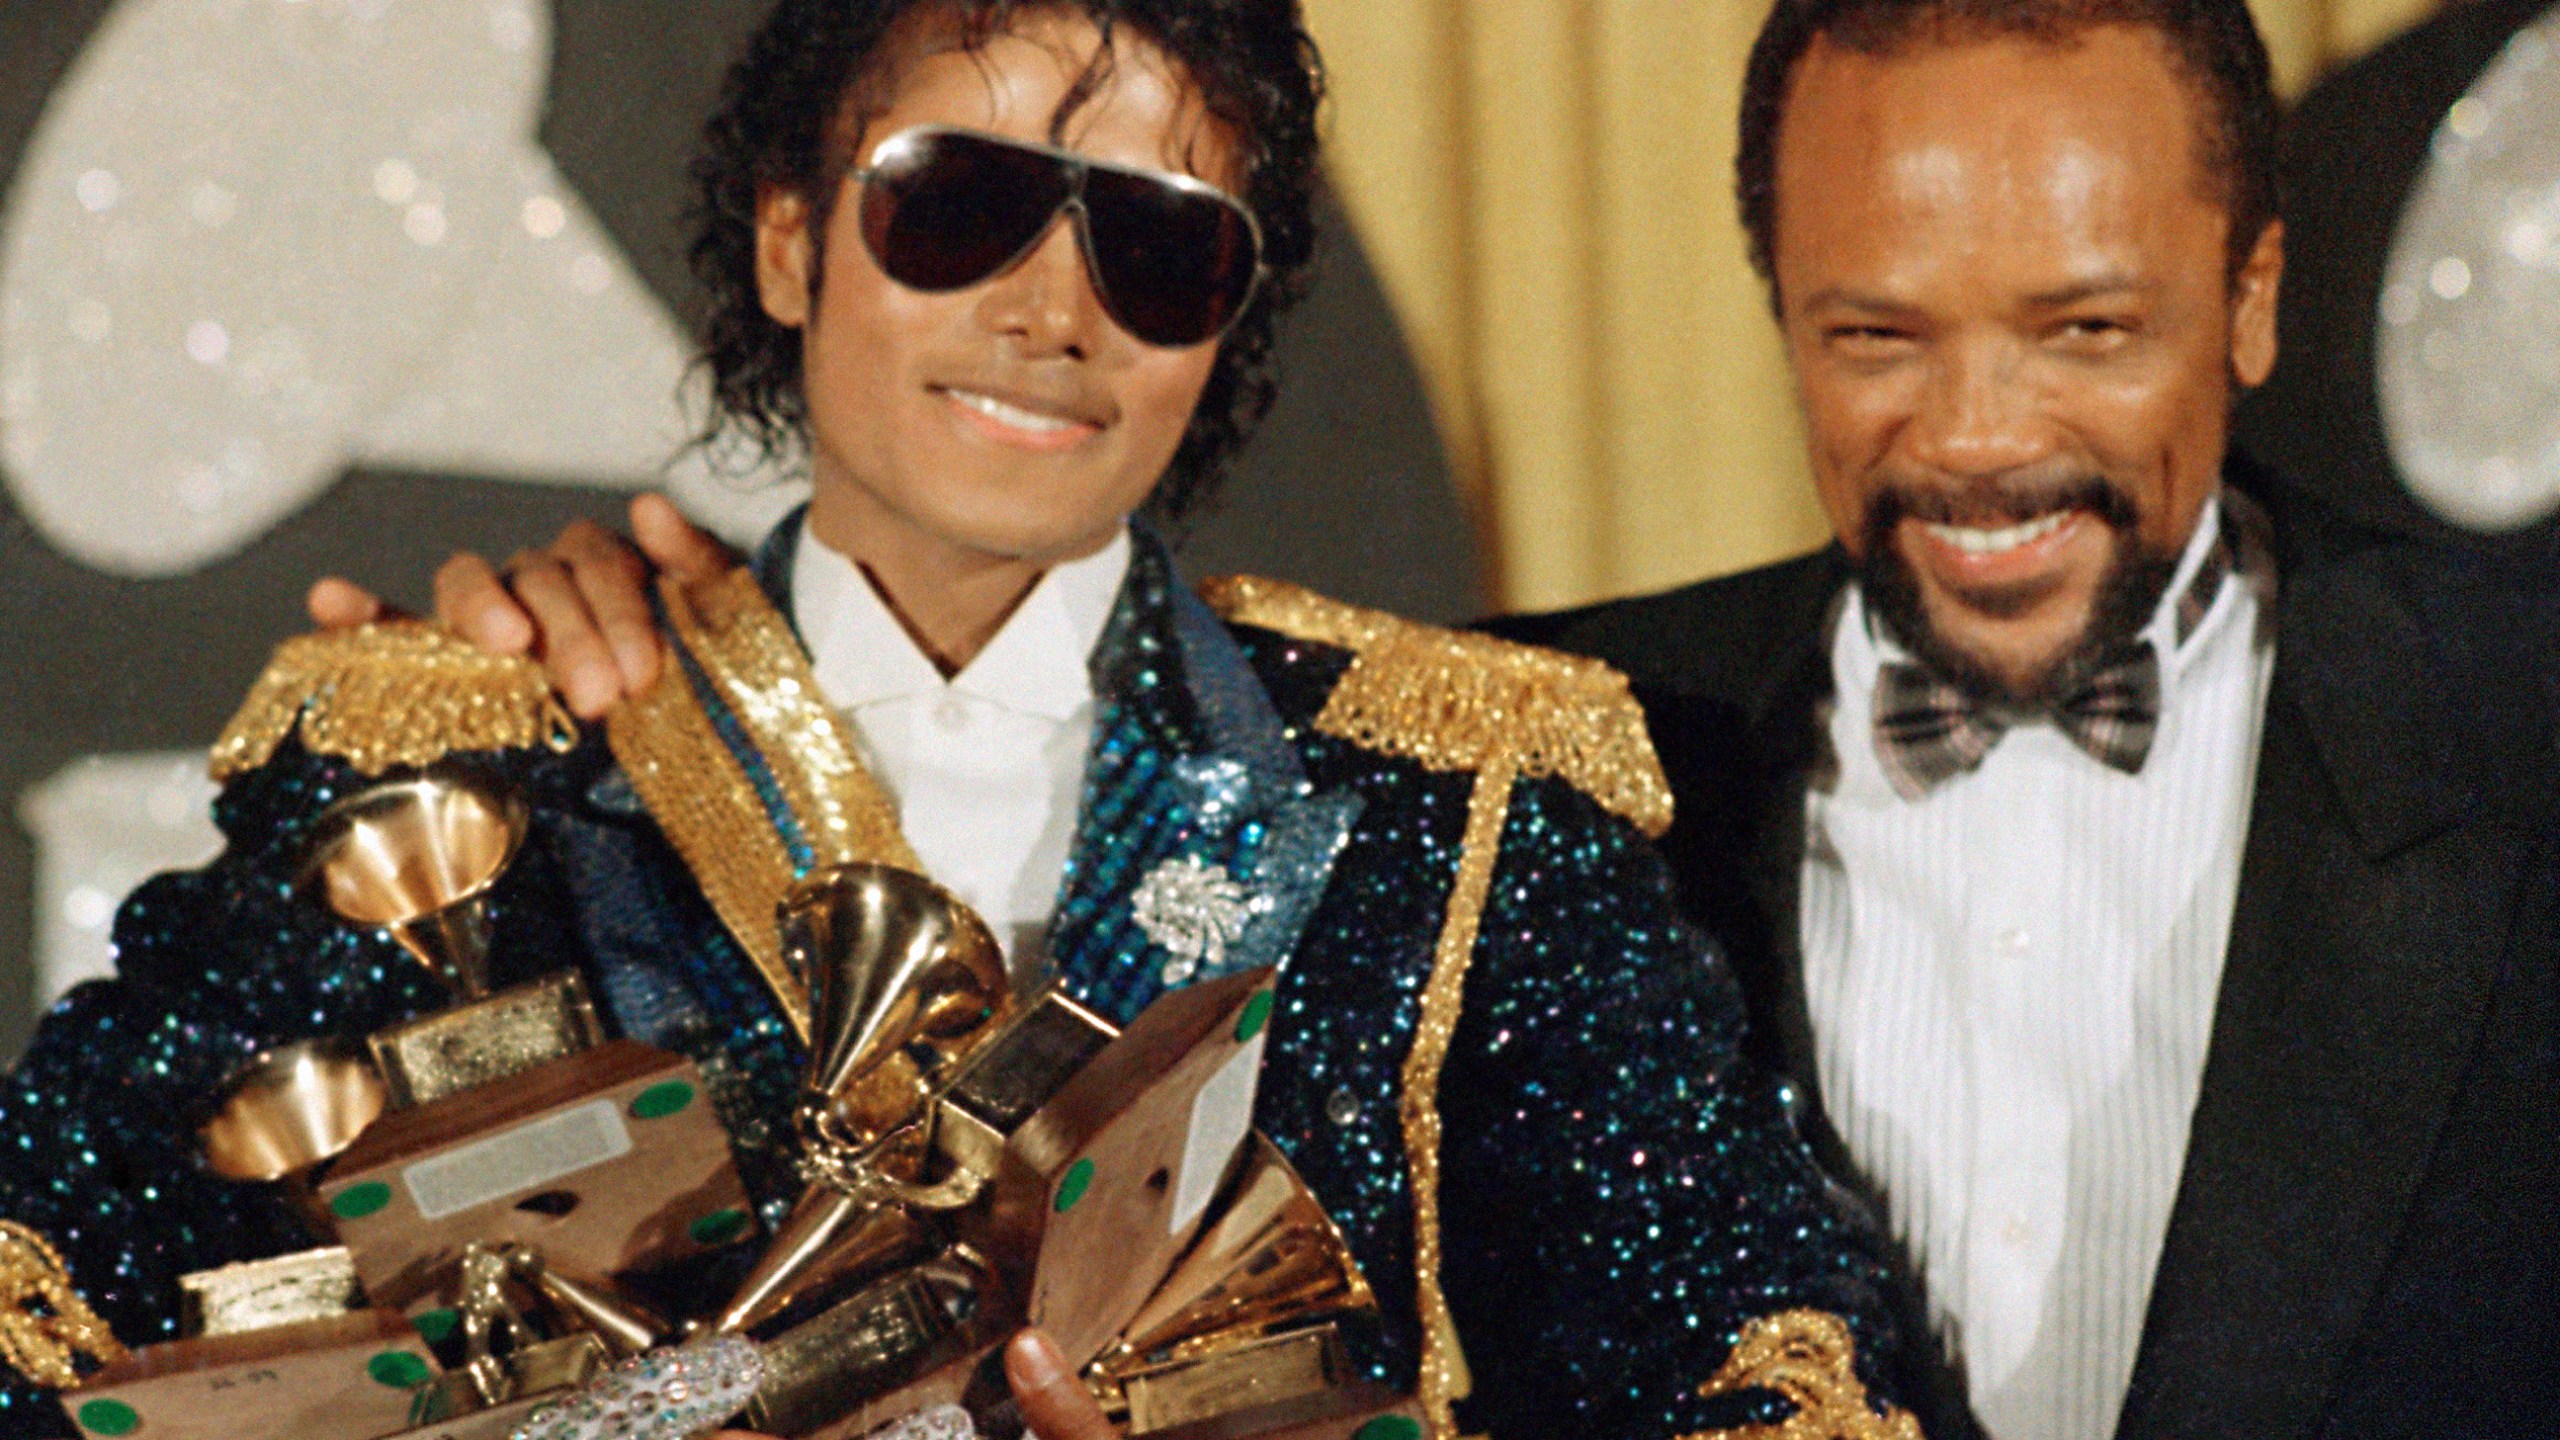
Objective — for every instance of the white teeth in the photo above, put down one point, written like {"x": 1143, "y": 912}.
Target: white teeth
{"x": 1013, "y": 415}
{"x": 1992, "y": 542}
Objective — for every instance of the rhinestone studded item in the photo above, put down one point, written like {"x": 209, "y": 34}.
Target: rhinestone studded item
{"x": 1194, "y": 911}
{"x": 663, "y": 1395}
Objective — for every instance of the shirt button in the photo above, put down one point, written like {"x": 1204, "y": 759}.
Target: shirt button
{"x": 951, "y": 713}
{"x": 2016, "y": 943}
{"x": 2016, "y": 1232}
{"x": 1342, "y": 1106}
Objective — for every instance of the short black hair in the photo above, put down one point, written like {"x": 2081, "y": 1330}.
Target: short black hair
{"x": 780, "y": 125}
{"x": 2213, "y": 42}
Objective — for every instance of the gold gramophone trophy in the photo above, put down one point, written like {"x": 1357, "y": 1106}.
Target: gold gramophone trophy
{"x": 977, "y": 1165}
{"x": 510, "y": 1118}
{"x": 279, "y": 1349}
{"x": 510, "y": 1364}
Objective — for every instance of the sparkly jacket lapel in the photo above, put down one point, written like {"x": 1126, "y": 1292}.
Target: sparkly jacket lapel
{"x": 1189, "y": 762}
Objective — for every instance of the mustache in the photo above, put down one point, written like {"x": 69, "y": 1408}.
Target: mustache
{"x": 2011, "y": 499}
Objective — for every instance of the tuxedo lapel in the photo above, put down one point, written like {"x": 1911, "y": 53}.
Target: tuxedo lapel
{"x": 2367, "y": 933}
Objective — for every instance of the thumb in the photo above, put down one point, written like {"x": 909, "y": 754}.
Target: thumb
{"x": 337, "y": 603}
{"x": 675, "y": 544}
{"x": 1055, "y": 1405}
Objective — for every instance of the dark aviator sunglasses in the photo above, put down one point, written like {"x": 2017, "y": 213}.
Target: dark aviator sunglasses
{"x": 1173, "y": 259}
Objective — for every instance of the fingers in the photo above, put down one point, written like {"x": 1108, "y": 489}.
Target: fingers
{"x": 571, "y": 645}
{"x": 473, "y": 598}
{"x": 612, "y": 580}
{"x": 337, "y": 603}
{"x": 676, "y": 544}
{"x": 1055, "y": 1405}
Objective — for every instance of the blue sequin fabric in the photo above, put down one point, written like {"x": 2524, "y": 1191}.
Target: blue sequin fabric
{"x": 1621, "y": 1193}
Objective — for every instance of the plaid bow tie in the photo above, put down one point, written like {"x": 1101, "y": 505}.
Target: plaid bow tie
{"x": 1928, "y": 731}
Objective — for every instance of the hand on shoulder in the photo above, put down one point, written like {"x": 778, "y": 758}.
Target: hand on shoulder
{"x": 580, "y": 605}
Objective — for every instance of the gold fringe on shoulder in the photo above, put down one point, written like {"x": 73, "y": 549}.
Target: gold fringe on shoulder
{"x": 1453, "y": 700}
{"x": 45, "y": 1327}
{"x": 402, "y": 693}
{"x": 1806, "y": 1357}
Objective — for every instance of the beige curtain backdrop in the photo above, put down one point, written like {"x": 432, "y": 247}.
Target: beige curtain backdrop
{"x": 1545, "y": 186}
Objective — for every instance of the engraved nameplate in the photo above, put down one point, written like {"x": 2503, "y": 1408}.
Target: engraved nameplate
{"x": 263, "y": 1294}
{"x": 548, "y": 1149}
{"x": 1263, "y": 1374}
{"x": 488, "y": 1040}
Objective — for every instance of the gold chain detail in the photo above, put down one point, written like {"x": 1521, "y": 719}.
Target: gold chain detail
{"x": 1454, "y": 701}
{"x": 1443, "y": 997}
{"x": 1806, "y": 1356}
{"x": 401, "y": 693}
{"x": 44, "y": 1324}
{"x": 703, "y": 799}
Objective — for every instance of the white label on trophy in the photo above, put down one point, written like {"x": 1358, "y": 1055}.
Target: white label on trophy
{"x": 1220, "y": 1115}
{"x": 518, "y": 1159}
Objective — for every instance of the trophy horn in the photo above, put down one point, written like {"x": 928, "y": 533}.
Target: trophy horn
{"x": 1273, "y": 1258}
{"x": 292, "y": 1107}
{"x": 417, "y": 858}
{"x": 903, "y": 979}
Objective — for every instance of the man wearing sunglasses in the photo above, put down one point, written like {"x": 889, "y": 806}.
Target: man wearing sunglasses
{"x": 2150, "y": 870}
{"x": 1006, "y": 272}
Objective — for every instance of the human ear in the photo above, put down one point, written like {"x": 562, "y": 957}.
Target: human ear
{"x": 784, "y": 256}
{"x": 2253, "y": 308}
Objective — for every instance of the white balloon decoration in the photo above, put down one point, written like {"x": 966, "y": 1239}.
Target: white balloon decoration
{"x": 254, "y": 242}
{"x": 2468, "y": 350}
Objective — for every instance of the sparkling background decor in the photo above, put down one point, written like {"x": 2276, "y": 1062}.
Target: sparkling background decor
{"x": 298, "y": 286}
{"x": 2469, "y": 341}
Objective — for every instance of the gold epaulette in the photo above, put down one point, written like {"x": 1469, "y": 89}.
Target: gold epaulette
{"x": 45, "y": 1327}
{"x": 1451, "y": 700}
{"x": 1809, "y": 1358}
{"x": 401, "y": 693}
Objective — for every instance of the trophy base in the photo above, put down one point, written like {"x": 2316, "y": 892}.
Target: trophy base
{"x": 606, "y": 1161}
{"x": 486, "y": 1040}
{"x": 349, "y": 1378}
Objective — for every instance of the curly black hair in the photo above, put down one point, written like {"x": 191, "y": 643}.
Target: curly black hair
{"x": 813, "y": 67}
{"x": 2214, "y": 43}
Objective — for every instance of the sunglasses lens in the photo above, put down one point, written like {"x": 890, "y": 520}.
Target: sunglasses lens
{"x": 1175, "y": 266}
{"x": 942, "y": 211}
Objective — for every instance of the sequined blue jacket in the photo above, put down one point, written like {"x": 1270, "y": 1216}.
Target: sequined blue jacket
{"x": 1620, "y": 1198}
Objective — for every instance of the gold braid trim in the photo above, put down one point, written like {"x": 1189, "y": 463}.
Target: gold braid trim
{"x": 1454, "y": 701}
{"x": 1805, "y": 1356}
{"x": 1444, "y": 1373}
{"x": 44, "y": 1324}
{"x": 704, "y": 800}
{"x": 1458, "y": 702}
{"x": 402, "y": 693}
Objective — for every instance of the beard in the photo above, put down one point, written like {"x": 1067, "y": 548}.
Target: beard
{"x": 2137, "y": 575}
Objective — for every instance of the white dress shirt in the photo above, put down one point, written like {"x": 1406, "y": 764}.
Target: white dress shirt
{"x": 986, "y": 768}
{"x": 2011, "y": 984}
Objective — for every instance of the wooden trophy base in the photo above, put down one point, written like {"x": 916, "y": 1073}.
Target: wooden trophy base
{"x": 606, "y": 1161}
{"x": 348, "y": 1378}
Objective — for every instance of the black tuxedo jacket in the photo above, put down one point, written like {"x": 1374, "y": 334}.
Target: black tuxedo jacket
{"x": 2366, "y": 1237}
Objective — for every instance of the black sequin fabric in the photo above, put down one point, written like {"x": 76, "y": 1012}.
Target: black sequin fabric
{"x": 1621, "y": 1193}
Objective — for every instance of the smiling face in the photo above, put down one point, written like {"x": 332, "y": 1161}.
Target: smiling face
{"x": 1010, "y": 423}
{"x": 2006, "y": 292}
